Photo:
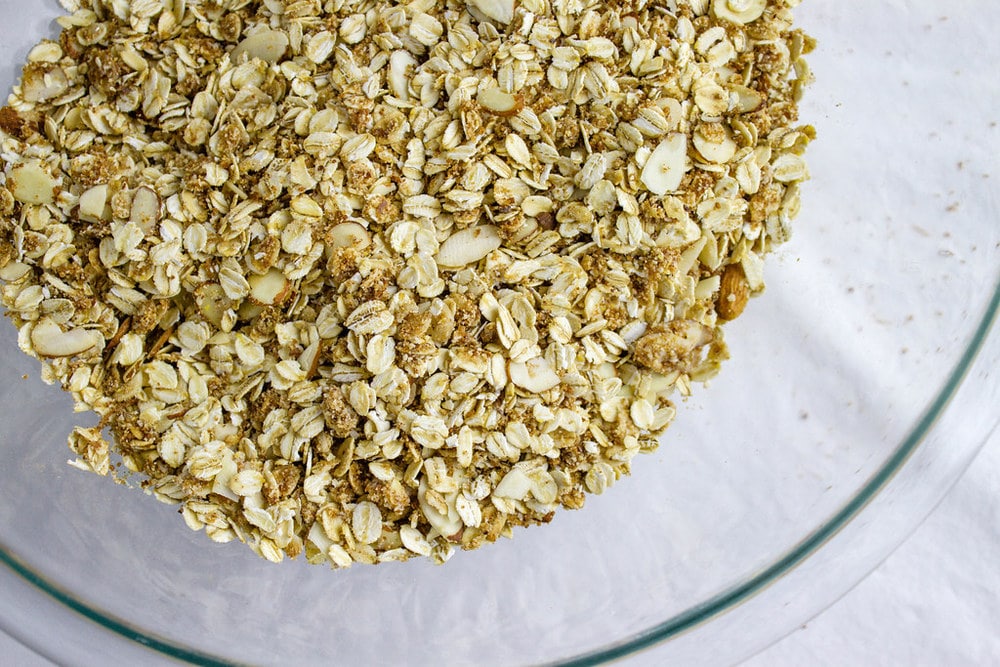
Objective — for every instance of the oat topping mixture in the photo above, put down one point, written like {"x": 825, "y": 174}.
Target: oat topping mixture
{"x": 364, "y": 279}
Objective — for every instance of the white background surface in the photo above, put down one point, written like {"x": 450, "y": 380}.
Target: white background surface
{"x": 935, "y": 601}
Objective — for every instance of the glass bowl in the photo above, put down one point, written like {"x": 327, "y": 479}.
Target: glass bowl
{"x": 859, "y": 389}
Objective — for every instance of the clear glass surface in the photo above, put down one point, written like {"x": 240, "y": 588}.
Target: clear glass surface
{"x": 861, "y": 385}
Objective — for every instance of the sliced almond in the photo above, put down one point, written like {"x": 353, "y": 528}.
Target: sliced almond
{"x": 515, "y": 485}
{"x": 666, "y": 165}
{"x": 268, "y": 45}
{"x": 501, "y": 11}
{"x": 535, "y": 375}
{"x": 212, "y": 302}
{"x": 739, "y": 11}
{"x": 38, "y": 85}
{"x": 500, "y": 103}
{"x": 733, "y": 292}
{"x": 747, "y": 99}
{"x": 269, "y": 289}
{"x": 349, "y": 235}
{"x": 94, "y": 204}
{"x": 48, "y": 340}
{"x": 718, "y": 151}
{"x": 146, "y": 209}
{"x": 401, "y": 64}
{"x": 30, "y": 184}
{"x": 468, "y": 246}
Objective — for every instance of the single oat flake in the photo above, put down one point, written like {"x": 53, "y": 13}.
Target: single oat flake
{"x": 361, "y": 281}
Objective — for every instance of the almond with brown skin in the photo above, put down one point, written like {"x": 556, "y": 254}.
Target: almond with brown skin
{"x": 500, "y": 103}
{"x": 50, "y": 341}
{"x": 270, "y": 289}
{"x": 30, "y": 184}
{"x": 268, "y": 45}
{"x": 146, "y": 209}
{"x": 734, "y": 292}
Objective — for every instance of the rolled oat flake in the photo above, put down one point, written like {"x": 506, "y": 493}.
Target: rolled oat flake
{"x": 359, "y": 281}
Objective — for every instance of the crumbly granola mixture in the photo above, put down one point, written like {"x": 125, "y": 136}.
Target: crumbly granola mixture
{"x": 364, "y": 280}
